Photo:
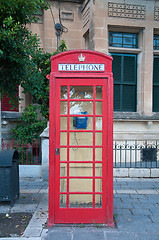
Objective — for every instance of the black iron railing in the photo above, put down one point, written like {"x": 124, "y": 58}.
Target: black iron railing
{"x": 29, "y": 154}
{"x": 135, "y": 154}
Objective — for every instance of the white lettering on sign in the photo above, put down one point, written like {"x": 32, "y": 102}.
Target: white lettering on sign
{"x": 82, "y": 67}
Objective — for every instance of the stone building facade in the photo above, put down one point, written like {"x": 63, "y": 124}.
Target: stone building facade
{"x": 129, "y": 31}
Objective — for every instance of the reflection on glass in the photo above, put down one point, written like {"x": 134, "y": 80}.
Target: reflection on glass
{"x": 63, "y": 185}
{"x": 81, "y": 169}
{"x": 81, "y": 200}
{"x": 81, "y": 185}
{"x": 89, "y": 123}
{"x": 63, "y": 200}
{"x": 98, "y": 201}
{"x": 98, "y": 154}
{"x": 81, "y": 154}
{"x": 98, "y": 106}
{"x": 98, "y": 185}
{"x": 98, "y": 123}
{"x": 63, "y": 92}
{"x": 63, "y": 154}
{"x": 63, "y": 123}
{"x": 63, "y": 107}
{"x": 98, "y": 169}
{"x": 63, "y": 169}
{"x": 63, "y": 138}
{"x": 99, "y": 90}
{"x": 78, "y": 107}
{"x": 98, "y": 138}
{"x": 81, "y": 92}
{"x": 81, "y": 138}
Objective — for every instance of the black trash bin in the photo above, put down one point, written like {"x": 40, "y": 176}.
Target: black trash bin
{"x": 9, "y": 176}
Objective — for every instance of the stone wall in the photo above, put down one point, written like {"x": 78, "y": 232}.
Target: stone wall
{"x": 8, "y": 121}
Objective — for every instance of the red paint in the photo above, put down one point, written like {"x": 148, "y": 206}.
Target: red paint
{"x": 58, "y": 214}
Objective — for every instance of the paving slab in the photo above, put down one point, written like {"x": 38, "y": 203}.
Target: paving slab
{"x": 141, "y": 185}
{"x": 127, "y": 226}
{"x": 155, "y": 218}
{"x": 124, "y": 205}
{"x": 5, "y": 208}
{"x": 120, "y": 212}
{"x": 147, "y": 236}
{"x": 32, "y": 232}
{"x": 93, "y": 235}
{"x": 122, "y": 195}
{"x": 152, "y": 228}
{"x": 136, "y": 219}
{"x": 30, "y": 190}
{"x": 23, "y": 208}
{"x": 23, "y": 238}
{"x": 137, "y": 196}
{"x": 27, "y": 198}
{"x": 126, "y": 191}
{"x": 147, "y": 191}
{"x": 150, "y": 199}
{"x": 59, "y": 235}
{"x": 130, "y": 200}
{"x": 142, "y": 212}
{"x": 146, "y": 205}
{"x": 121, "y": 236}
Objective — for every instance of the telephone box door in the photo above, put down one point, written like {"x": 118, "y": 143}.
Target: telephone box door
{"x": 81, "y": 149}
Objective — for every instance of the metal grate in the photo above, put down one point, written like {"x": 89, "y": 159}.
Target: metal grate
{"x": 149, "y": 154}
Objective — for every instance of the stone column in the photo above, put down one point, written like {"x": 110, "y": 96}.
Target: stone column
{"x": 45, "y": 153}
{"x": 100, "y": 27}
{"x": 148, "y": 71}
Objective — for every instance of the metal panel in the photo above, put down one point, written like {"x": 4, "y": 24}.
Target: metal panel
{"x": 9, "y": 176}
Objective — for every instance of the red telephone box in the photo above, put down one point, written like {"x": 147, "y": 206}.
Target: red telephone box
{"x": 81, "y": 138}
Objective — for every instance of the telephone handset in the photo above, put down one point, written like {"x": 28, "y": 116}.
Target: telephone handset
{"x": 80, "y": 122}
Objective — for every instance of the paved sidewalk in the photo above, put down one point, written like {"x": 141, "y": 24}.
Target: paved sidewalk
{"x": 136, "y": 209}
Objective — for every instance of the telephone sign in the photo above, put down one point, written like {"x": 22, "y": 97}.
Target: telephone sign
{"x": 82, "y": 67}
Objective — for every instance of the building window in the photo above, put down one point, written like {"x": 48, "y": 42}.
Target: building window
{"x": 124, "y": 40}
{"x": 156, "y": 84}
{"x": 6, "y": 106}
{"x": 86, "y": 40}
{"x": 156, "y": 42}
{"x": 124, "y": 67}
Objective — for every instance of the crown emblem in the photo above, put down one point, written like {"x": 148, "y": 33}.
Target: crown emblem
{"x": 81, "y": 58}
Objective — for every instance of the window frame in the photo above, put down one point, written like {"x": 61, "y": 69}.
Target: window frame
{"x": 155, "y": 41}
{"x": 122, "y": 82}
{"x": 122, "y": 44}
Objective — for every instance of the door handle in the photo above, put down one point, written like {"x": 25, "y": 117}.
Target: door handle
{"x": 57, "y": 151}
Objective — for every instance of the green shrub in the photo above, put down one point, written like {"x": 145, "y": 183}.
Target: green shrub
{"x": 29, "y": 126}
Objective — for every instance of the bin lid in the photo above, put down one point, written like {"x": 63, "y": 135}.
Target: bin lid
{"x": 7, "y": 157}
